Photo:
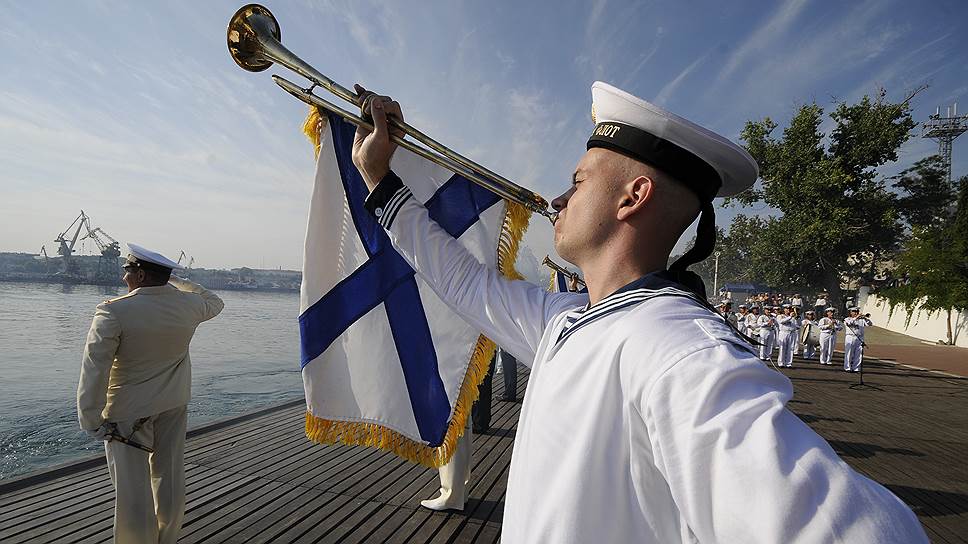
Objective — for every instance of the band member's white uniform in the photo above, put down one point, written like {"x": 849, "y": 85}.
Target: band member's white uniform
{"x": 854, "y": 340}
{"x": 798, "y": 320}
{"x": 809, "y": 350}
{"x": 136, "y": 378}
{"x": 646, "y": 418}
{"x": 741, "y": 319}
{"x": 828, "y": 336}
{"x": 753, "y": 323}
{"x": 767, "y": 326}
{"x": 786, "y": 337}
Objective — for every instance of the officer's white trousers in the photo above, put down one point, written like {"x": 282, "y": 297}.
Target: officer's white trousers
{"x": 149, "y": 488}
{"x": 786, "y": 342}
{"x": 455, "y": 475}
{"x": 827, "y": 342}
{"x": 767, "y": 339}
{"x": 853, "y": 355}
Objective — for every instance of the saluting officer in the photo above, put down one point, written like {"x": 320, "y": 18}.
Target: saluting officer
{"x": 135, "y": 385}
{"x": 635, "y": 384}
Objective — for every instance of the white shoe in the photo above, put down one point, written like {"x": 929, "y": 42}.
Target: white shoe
{"x": 442, "y": 503}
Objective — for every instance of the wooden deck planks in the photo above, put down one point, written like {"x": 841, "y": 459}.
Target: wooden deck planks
{"x": 260, "y": 480}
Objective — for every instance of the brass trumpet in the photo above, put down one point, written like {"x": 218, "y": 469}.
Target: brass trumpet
{"x": 573, "y": 276}
{"x": 254, "y": 41}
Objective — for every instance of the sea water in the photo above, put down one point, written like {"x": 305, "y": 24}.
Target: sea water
{"x": 244, "y": 359}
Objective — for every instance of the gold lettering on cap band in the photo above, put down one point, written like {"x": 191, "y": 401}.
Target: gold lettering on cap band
{"x": 606, "y": 130}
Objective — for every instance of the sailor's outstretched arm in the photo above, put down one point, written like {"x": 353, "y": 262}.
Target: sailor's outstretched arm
{"x": 512, "y": 313}
{"x": 729, "y": 450}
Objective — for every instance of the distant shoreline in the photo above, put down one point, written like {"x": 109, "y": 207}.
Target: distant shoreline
{"x": 83, "y": 281}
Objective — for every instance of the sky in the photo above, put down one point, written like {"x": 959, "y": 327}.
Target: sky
{"x": 136, "y": 113}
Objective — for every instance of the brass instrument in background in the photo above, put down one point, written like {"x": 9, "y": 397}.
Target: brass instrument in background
{"x": 573, "y": 277}
{"x": 254, "y": 43}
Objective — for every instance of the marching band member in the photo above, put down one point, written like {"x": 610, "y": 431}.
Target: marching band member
{"x": 741, "y": 319}
{"x": 798, "y": 319}
{"x": 726, "y": 308}
{"x": 753, "y": 323}
{"x": 134, "y": 390}
{"x": 767, "y": 326}
{"x": 809, "y": 321}
{"x": 635, "y": 384}
{"x": 828, "y": 335}
{"x": 787, "y": 336}
{"x": 854, "y": 339}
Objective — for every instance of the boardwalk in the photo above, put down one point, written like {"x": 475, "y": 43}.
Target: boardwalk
{"x": 257, "y": 479}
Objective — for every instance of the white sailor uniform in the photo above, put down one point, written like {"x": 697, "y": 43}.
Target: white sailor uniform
{"x": 741, "y": 323}
{"x": 136, "y": 373}
{"x": 786, "y": 338}
{"x": 753, "y": 325}
{"x": 767, "y": 326}
{"x": 854, "y": 342}
{"x": 646, "y": 419}
{"x": 828, "y": 339}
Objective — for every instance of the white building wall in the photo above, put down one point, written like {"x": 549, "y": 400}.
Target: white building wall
{"x": 931, "y": 328}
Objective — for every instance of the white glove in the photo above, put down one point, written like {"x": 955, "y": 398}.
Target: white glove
{"x": 101, "y": 433}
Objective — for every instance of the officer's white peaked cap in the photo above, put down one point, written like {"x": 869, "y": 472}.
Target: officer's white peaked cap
{"x": 708, "y": 163}
{"x": 147, "y": 256}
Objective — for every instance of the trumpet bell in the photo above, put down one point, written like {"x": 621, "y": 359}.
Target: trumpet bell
{"x": 248, "y": 27}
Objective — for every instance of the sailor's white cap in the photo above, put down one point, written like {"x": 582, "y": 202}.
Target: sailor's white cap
{"x": 853, "y": 309}
{"x": 708, "y": 163}
{"x": 139, "y": 256}
{"x": 786, "y": 306}
{"x": 830, "y": 310}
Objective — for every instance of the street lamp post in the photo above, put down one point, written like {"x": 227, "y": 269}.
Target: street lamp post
{"x": 716, "y": 274}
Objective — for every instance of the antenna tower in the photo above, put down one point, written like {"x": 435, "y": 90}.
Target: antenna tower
{"x": 945, "y": 130}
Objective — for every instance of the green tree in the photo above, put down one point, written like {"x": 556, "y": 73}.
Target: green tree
{"x": 932, "y": 269}
{"x": 837, "y": 219}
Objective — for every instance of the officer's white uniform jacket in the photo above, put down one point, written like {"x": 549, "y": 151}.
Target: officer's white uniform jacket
{"x": 646, "y": 419}
{"x": 786, "y": 324}
{"x": 137, "y": 352}
{"x": 829, "y": 326}
{"x": 854, "y": 326}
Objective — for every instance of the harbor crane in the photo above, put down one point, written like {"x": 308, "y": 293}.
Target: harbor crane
{"x": 43, "y": 251}
{"x": 191, "y": 261}
{"x": 107, "y": 263}
{"x": 65, "y": 248}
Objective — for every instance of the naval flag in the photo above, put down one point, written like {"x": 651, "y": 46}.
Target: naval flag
{"x": 385, "y": 363}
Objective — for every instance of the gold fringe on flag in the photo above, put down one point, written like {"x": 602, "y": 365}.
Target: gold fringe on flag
{"x": 357, "y": 433}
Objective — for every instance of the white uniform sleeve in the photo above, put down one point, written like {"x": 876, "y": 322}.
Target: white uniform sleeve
{"x": 742, "y": 468}
{"x": 512, "y": 313}
{"x": 211, "y": 305}
{"x": 99, "y": 351}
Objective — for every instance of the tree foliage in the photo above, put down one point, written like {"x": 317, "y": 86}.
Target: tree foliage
{"x": 837, "y": 218}
{"x": 932, "y": 269}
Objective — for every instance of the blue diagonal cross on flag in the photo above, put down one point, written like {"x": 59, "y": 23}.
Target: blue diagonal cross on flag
{"x": 380, "y": 352}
